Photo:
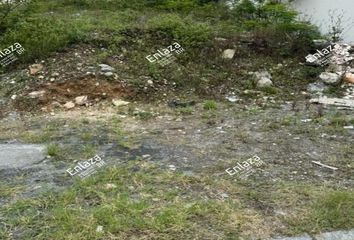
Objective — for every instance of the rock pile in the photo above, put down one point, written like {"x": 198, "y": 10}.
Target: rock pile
{"x": 338, "y": 60}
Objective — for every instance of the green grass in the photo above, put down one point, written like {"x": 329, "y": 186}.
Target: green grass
{"x": 335, "y": 210}
{"x": 186, "y": 111}
{"x": 138, "y": 28}
{"x": 54, "y": 150}
{"x": 209, "y": 105}
{"x": 157, "y": 204}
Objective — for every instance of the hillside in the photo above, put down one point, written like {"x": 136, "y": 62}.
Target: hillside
{"x": 176, "y": 119}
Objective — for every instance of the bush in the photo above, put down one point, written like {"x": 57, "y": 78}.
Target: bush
{"x": 9, "y": 12}
{"x": 210, "y": 105}
{"x": 275, "y": 27}
{"x": 41, "y": 36}
{"x": 186, "y": 30}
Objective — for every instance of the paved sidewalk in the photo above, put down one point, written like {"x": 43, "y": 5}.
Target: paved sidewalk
{"x": 20, "y": 155}
{"x": 338, "y": 235}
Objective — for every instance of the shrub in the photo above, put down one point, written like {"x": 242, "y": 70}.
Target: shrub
{"x": 41, "y": 36}
{"x": 210, "y": 105}
{"x": 188, "y": 31}
{"x": 9, "y": 11}
{"x": 54, "y": 150}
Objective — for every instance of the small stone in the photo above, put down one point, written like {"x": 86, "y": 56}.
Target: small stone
{"x": 316, "y": 87}
{"x": 263, "y": 79}
{"x": 172, "y": 167}
{"x": 56, "y": 105}
{"x": 69, "y": 105}
{"x": 232, "y": 98}
{"x": 81, "y": 100}
{"x": 228, "y": 53}
{"x": 349, "y": 77}
{"x": 35, "y": 68}
{"x": 52, "y": 79}
{"x": 145, "y": 156}
{"x": 55, "y": 74}
{"x": 118, "y": 102}
{"x": 306, "y": 120}
{"x": 150, "y": 82}
{"x": 36, "y": 94}
{"x": 110, "y": 186}
{"x": 264, "y": 82}
{"x": 13, "y": 97}
{"x": 224, "y": 195}
{"x": 106, "y": 68}
{"x": 220, "y": 39}
{"x": 99, "y": 229}
{"x": 108, "y": 74}
{"x": 330, "y": 78}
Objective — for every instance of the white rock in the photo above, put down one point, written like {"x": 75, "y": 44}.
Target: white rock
{"x": 13, "y": 97}
{"x": 118, "y": 102}
{"x": 81, "y": 100}
{"x": 69, "y": 105}
{"x": 150, "y": 82}
{"x": 232, "y": 98}
{"x": 228, "y": 53}
{"x": 264, "y": 82}
{"x": 35, "y": 68}
{"x": 263, "y": 79}
{"x": 99, "y": 229}
{"x": 220, "y": 39}
{"x": 172, "y": 167}
{"x": 262, "y": 74}
{"x": 108, "y": 74}
{"x": 224, "y": 195}
{"x": 330, "y": 78}
{"x": 110, "y": 186}
{"x": 106, "y": 68}
{"x": 36, "y": 94}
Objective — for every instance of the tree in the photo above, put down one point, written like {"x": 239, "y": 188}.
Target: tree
{"x": 6, "y": 8}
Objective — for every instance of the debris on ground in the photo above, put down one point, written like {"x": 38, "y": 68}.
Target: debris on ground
{"x": 324, "y": 165}
{"x": 340, "y": 102}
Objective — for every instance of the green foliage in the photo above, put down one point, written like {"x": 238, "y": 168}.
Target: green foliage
{"x": 10, "y": 11}
{"x": 335, "y": 210}
{"x": 185, "y": 30}
{"x": 245, "y": 10}
{"x": 54, "y": 150}
{"x": 41, "y": 36}
{"x": 210, "y": 105}
{"x": 269, "y": 90}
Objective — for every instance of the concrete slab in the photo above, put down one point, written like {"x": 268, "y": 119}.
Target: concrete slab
{"x": 303, "y": 237}
{"x": 338, "y": 235}
{"x": 20, "y": 155}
